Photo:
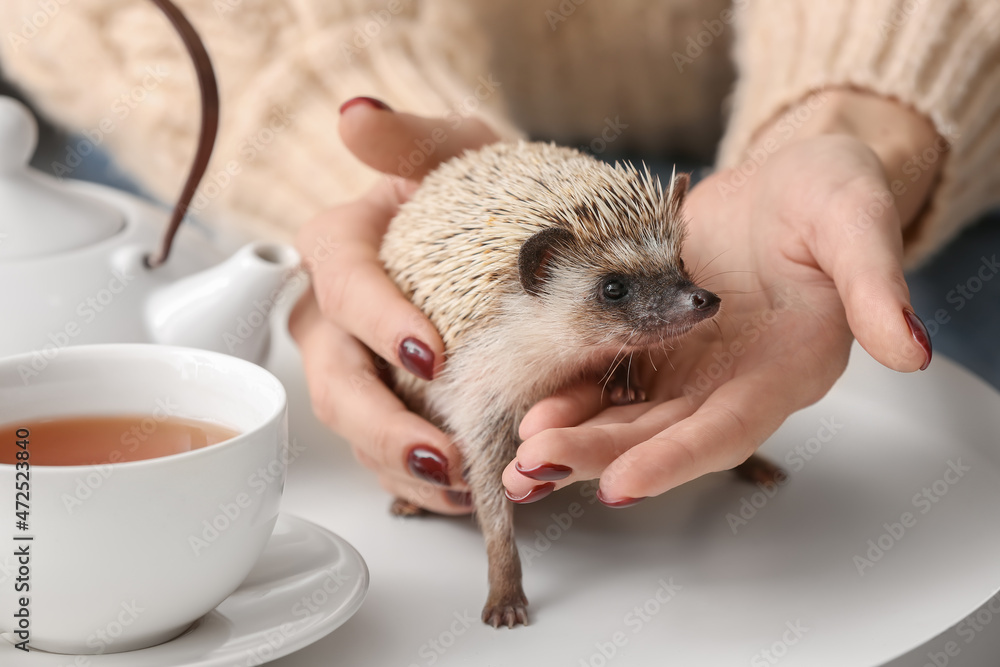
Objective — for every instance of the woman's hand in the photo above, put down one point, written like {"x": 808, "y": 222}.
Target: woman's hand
{"x": 354, "y": 311}
{"x": 804, "y": 252}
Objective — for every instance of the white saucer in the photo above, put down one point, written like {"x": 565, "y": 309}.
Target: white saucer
{"x": 307, "y": 583}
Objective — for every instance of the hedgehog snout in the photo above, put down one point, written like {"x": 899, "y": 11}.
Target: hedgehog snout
{"x": 677, "y": 308}
{"x": 703, "y": 302}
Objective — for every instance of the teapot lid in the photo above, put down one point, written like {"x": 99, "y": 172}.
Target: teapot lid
{"x": 40, "y": 216}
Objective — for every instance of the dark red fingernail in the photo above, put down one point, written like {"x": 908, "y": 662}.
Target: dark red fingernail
{"x": 536, "y": 493}
{"x": 417, "y": 358}
{"x": 919, "y": 333}
{"x": 623, "y": 502}
{"x": 366, "y": 101}
{"x": 546, "y": 472}
{"x": 459, "y": 498}
{"x": 428, "y": 463}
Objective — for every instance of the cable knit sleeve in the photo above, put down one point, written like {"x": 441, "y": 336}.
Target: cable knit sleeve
{"x": 115, "y": 70}
{"x": 942, "y": 57}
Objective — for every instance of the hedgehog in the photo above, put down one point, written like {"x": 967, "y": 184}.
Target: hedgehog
{"x": 539, "y": 265}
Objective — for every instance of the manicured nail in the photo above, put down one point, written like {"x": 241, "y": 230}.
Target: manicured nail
{"x": 366, "y": 101}
{"x": 534, "y": 494}
{"x": 417, "y": 358}
{"x": 545, "y": 472}
{"x": 623, "y": 502}
{"x": 459, "y": 498}
{"x": 919, "y": 333}
{"x": 429, "y": 464}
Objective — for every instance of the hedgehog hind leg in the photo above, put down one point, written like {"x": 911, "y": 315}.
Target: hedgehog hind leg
{"x": 759, "y": 470}
{"x": 506, "y": 603}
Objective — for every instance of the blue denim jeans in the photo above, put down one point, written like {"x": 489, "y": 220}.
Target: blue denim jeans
{"x": 957, "y": 294}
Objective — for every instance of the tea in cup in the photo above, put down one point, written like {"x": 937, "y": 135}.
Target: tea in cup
{"x": 142, "y": 483}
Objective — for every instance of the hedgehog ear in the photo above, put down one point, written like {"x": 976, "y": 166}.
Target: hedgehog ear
{"x": 678, "y": 189}
{"x": 537, "y": 253}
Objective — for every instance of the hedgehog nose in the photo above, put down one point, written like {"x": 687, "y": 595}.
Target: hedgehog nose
{"x": 704, "y": 302}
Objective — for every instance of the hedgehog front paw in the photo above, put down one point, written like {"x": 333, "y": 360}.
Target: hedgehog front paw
{"x": 405, "y": 508}
{"x": 623, "y": 389}
{"x": 510, "y": 612}
{"x": 621, "y": 395}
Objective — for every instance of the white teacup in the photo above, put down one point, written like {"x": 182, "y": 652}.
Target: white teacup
{"x": 127, "y": 555}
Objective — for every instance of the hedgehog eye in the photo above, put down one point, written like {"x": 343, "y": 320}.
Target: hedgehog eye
{"x": 614, "y": 289}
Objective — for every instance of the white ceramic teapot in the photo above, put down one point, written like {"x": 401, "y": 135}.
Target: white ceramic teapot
{"x": 73, "y": 270}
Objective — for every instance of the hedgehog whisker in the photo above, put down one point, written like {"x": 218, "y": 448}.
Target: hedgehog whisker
{"x": 666, "y": 343}
{"x": 709, "y": 262}
{"x": 698, "y": 270}
{"x": 607, "y": 375}
{"x": 670, "y": 337}
{"x": 615, "y": 361}
{"x": 719, "y": 327}
{"x": 739, "y": 291}
{"x": 628, "y": 374}
{"x": 723, "y": 273}
{"x": 706, "y": 281}
{"x": 614, "y": 365}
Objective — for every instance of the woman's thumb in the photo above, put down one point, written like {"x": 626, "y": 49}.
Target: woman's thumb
{"x": 404, "y": 144}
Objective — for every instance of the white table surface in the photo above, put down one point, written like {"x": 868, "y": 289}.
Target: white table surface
{"x": 734, "y": 595}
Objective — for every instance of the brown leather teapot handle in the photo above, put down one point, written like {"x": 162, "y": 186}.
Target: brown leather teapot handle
{"x": 209, "y": 90}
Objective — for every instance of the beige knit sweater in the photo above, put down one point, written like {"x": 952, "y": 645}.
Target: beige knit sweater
{"x": 645, "y": 75}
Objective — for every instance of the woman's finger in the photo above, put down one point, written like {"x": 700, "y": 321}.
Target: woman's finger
{"x": 571, "y": 406}
{"x": 355, "y": 294}
{"x": 589, "y": 401}
{"x": 404, "y": 144}
{"x": 728, "y": 427}
{"x": 427, "y": 496}
{"x": 876, "y": 298}
{"x": 349, "y": 396}
{"x": 859, "y": 244}
{"x": 567, "y": 455}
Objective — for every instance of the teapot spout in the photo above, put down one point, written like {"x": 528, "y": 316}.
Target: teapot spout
{"x": 225, "y": 308}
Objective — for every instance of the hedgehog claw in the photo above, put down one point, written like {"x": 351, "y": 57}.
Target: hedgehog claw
{"x": 506, "y": 613}
{"x": 623, "y": 389}
{"x": 626, "y": 396}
